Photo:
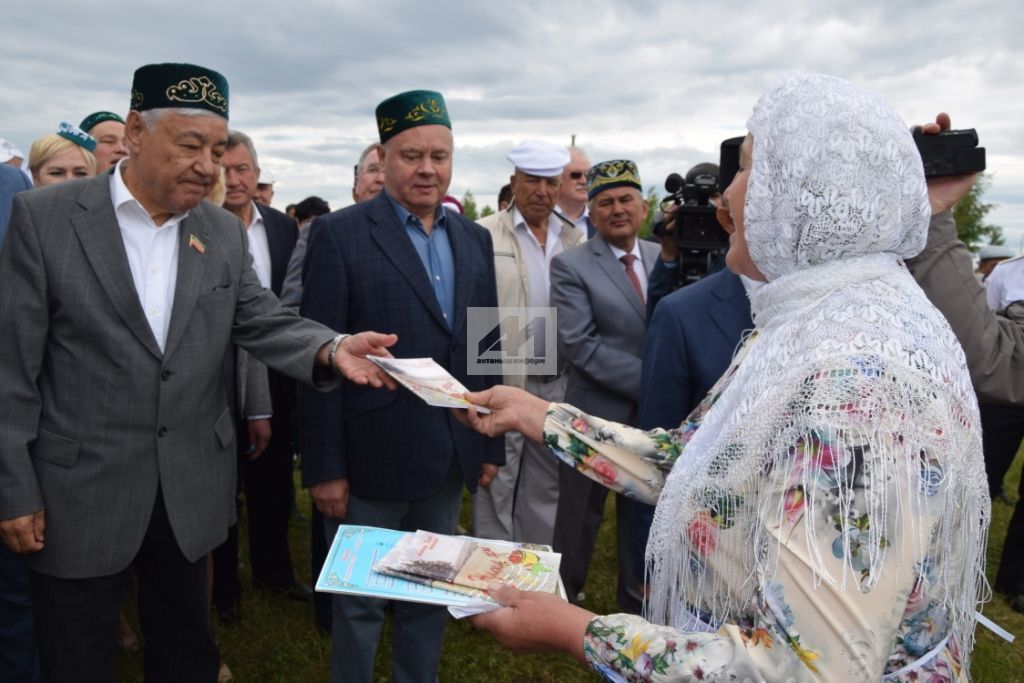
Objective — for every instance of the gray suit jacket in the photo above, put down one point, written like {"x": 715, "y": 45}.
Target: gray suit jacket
{"x": 601, "y": 328}
{"x": 95, "y": 417}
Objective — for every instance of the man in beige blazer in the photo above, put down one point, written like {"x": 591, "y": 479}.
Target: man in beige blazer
{"x": 521, "y": 502}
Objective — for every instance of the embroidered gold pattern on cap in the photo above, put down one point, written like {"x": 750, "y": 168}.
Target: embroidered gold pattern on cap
{"x": 431, "y": 109}
{"x": 198, "y": 89}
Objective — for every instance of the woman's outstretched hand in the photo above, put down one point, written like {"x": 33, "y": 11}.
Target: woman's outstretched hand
{"x": 535, "y": 622}
{"x": 512, "y": 410}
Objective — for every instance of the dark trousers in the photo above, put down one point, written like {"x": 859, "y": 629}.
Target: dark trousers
{"x": 1002, "y": 432}
{"x": 318, "y": 555}
{"x": 269, "y": 492}
{"x": 268, "y": 486}
{"x": 580, "y": 510}
{"x": 1002, "y": 429}
{"x": 18, "y": 661}
{"x": 76, "y": 619}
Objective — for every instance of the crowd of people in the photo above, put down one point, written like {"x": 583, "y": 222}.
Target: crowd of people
{"x": 794, "y": 440}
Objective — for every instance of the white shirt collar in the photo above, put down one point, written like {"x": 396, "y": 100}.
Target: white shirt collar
{"x": 635, "y": 251}
{"x": 554, "y": 225}
{"x": 121, "y": 195}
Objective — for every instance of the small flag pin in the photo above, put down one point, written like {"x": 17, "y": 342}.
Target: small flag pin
{"x": 196, "y": 244}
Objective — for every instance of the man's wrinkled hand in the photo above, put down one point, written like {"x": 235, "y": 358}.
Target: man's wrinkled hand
{"x": 488, "y": 471}
{"x": 24, "y": 534}
{"x": 259, "y": 437}
{"x": 350, "y": 359}
{"x": 331, "y": 498}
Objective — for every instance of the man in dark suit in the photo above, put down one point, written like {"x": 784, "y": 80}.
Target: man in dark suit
{"x": 383, "y": 458}
{"x": 599, "y": 289}
{"x": 123, "y": 296}
{"x": 265, "y": 400}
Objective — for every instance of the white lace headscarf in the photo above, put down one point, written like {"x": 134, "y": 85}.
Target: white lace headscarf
{"x": 836, "y": 198}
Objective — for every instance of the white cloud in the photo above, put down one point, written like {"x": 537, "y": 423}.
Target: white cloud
{"x": 657, "y": 81}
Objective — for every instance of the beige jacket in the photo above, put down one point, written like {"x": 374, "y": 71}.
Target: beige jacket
{"x": 509, "y": 268}
{"x": 993, "y": 342}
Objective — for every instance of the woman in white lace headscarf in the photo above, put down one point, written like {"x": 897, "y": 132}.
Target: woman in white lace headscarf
{"x": 823, "y": 514}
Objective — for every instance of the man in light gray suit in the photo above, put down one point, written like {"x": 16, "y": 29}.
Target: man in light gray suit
{"x": 122, "y": 298}
{"x": 599, "y": 289}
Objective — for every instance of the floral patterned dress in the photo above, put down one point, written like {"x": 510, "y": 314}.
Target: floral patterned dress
{"x": 795, "y": 628}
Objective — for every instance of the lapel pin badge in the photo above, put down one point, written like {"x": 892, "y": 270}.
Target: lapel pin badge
{"x": 196, "y": 244}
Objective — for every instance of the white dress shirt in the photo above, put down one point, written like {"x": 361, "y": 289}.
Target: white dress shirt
{"x": 538, "y": 259}
{"x": 259, "y": 247}
{"x": 152, "y": 255}
{"x": 580, "y": 221}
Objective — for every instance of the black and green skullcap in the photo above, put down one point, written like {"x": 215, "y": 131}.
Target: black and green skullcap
{"x": 182, "y": 86}
{"x": 90, "y": 121}
{"x": 410, "y": 109}
{"x": 609, "y": 174}
{"x": 77, "y": 136}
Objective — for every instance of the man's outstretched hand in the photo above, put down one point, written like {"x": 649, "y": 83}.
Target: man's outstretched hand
{"x": 350, "y": 359}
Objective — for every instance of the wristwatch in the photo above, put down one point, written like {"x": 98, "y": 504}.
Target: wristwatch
{"x": 333, "y": 350}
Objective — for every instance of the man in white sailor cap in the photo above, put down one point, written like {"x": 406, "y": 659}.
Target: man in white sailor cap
{"x": 521, "y": 502}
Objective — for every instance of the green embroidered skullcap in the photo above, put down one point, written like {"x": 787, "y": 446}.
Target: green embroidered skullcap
{"x": 90, "y": 121}
{"x": 609, "y": 174}
{"x": 182, "y": 86}
{"x": 410, "y": 109}
{"x": 77, "y": 136}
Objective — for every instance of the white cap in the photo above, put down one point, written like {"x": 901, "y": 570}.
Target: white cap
{"x": 539, "y": 158}
{"x": 266, "y": 177}
{"x": 9, "y": 151}
{"x": 990, "y": 251}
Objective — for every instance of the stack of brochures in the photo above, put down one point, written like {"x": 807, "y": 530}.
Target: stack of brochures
{"x": 453, "y": 571}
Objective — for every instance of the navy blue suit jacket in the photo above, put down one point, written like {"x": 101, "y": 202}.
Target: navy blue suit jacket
{"x": 282, "y": 232}
{"x": 691, "y": 338}
{"x": 690, "y": 342}
{"x": 281, "y": 235}
{"x": 363, "y": 273}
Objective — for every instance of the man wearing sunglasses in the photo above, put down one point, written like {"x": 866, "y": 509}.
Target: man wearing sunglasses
{"x": 572, "y": 195}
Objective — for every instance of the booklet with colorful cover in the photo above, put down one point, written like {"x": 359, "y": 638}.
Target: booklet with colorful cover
{"x": 356, "y": 550}
{"x": 460, "y": 563}
{"x": 428, "y": 380}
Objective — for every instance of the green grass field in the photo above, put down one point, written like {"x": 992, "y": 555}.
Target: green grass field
{"x": 277, "y": 642}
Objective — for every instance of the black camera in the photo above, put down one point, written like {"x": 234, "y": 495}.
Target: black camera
{"x": 951, "y": 152}
{"x": 698, "y": 234}
{"x": 695, "y": 224}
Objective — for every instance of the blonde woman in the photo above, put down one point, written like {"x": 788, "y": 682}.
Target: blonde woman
{"x": 64, "y": 155}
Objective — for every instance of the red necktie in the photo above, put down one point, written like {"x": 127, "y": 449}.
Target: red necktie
{"x": 627, "y": 261}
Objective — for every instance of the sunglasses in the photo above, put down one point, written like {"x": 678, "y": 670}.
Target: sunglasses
{"x": 575, "y": 175}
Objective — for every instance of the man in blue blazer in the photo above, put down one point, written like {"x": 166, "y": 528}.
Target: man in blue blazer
{"x": 382, "y": 458}
{"x": 691, "y": 338}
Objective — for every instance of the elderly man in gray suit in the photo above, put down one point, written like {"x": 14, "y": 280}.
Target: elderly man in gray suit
{"x": 122, "y": 298}
{"x": 599, "y": 289}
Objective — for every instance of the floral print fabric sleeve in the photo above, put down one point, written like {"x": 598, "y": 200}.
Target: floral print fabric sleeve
{"x": 626, "y": 460}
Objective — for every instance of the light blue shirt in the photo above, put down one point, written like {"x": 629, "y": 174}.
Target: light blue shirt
{"x": 435, "y": 252}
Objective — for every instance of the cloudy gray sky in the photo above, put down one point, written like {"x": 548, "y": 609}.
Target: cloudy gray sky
{"x": 656, "y": 81}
